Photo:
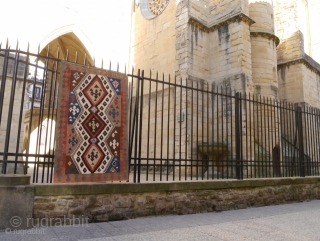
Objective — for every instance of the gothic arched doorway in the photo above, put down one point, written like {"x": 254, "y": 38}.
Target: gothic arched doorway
{"x": 68, "y": 44}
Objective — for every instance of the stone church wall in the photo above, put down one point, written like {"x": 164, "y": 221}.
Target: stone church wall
{"x": 154, "y": 43}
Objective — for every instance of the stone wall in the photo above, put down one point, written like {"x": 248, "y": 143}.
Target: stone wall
{"x": 107, "y": 202}
{"x": 221, "y": 10}
{"x": 220, "y": 49}
{"x": 299, "y": 81}
{"x": 230, "y": 56}
{"x": 154, "y": 41}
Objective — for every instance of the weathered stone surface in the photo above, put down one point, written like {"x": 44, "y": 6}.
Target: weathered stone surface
{"x": 16, "y": 206}
{"x": 188, "y": 198}
{"x": 14, "y": 179}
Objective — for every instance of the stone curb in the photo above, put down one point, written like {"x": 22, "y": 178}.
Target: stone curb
{"x": 122, "y": 188}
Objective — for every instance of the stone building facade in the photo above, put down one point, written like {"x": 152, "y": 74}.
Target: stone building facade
{"x": 266, "y": 47}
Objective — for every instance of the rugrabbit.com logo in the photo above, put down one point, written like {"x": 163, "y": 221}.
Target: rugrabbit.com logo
{"x": 39, "y": 225}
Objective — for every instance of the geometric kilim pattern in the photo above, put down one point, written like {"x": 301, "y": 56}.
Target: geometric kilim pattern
{"x": 92, "y": 125}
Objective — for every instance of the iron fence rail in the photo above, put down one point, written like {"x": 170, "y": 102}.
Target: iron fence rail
{"x": 178, "y": 129}
{"x": 191, "y": 130}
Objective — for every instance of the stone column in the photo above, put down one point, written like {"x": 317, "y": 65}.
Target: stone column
{"x": 263, "y": 48}
{"x": 264, "y": 74}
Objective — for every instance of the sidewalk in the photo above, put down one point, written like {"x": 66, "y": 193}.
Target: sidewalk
{"x": 298, "y": 221}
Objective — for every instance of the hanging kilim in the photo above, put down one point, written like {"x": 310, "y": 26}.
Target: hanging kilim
{"x": 91, "y": 125}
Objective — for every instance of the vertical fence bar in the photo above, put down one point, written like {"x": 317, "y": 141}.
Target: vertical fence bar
{"x": 180, "y": 128}
{"x": 271, "y": 111}
{"x": 131, "y": 120}
{"x": 174, "y": 127}
{"x": 217, "y": 132}
{"x": 280, "y": 117}
{"x": 136, "y": 128}
{"x": 268, "y": 139}
{"x": 308, "y": 142}
{"x": 231, "y": 133}
{"x": 260, "y": 138}
{"x": 283, "y": 135}
{"x": 161, "y": 128}
{"x": 148, "y": 128}
{"x": 207, "y": 132}
{"x": 197, "y": 116}
{"x": 264, "y": 133}
{"x": 317, "y": 137}
{"x": 3, "y": 84}
{"x": 241, "y": 136}
{"x": 155, "y": 130}
{"x": 238, "y": 138}
{"x": 317, "y": 120}
{"x": 42, "y": 105}
{"x": 222, "y": 128}
{"x": 140, "y": 127}
{"x": 202, "y": 129}
{"x": 186, "y": 133}
{"x": 255, "y": 124}
{"x": 301, "y": 149}
{"x": 192, "y": 156}
{"x": 250, "y": 132}
{"x": 21, "y": 108}
{"x": 246, "y": 124}
{"x": 55, "y": 93}
{"x": 10, "y": 111}
{"x": 273, "y": 136}
{"x": 213, "y": 94}
{"x": 48, "y": 124}
{"x": 168, "y": 129}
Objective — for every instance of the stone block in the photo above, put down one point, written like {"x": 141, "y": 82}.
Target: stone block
{"x": 16, "y": 202}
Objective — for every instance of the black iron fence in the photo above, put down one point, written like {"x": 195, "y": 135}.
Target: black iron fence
{"x": 28, "y": 101}
{"x": 192, "y": 130}
{"x": 178, "y": 129}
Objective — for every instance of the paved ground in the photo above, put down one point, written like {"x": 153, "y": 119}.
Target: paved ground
{"x": 299, "y": 221}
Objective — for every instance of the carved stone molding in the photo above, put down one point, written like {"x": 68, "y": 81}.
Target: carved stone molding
{"x": 205, "y": 28}
{"x": 267, "y": 36}
{"x": 312, "y": 66}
